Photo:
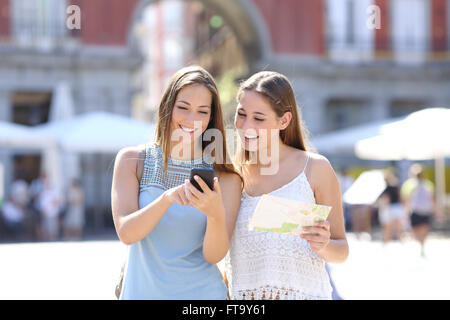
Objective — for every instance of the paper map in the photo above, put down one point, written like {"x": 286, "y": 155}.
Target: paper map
{"x": 286, "y": 216}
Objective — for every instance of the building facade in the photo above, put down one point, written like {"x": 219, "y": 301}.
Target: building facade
{"x": 350, "y": 61}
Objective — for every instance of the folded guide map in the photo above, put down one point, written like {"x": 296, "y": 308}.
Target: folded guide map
{"x": 286, "y": 216}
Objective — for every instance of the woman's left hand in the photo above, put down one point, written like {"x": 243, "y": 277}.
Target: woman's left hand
{"x": 209, "y": 201}
{"x": 320, "y": 236}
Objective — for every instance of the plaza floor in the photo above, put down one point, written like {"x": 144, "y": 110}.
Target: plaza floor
{"x": 90, "y": 269}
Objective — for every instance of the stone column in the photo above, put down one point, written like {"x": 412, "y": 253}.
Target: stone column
{"x": 5, "y": 154}
{"x": 313, "y": 112}
{"x": 379, "y": 108}
{"x": 5, "y": 105}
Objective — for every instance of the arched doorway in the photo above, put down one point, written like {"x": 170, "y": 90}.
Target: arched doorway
{"x": 228, "y": 38}
{"x": 242, "y": 16}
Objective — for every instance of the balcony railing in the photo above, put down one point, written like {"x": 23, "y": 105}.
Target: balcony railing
{"x": 51, "y": 35}
{"x": 398, "y": 48}
{"x": 40, "y": 24}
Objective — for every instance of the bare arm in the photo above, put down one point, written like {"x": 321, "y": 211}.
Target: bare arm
{"x": 231, "y": 197}
{"x": 220, "y": 207}
{"x": 216, "y": 242}
{"x": 133, "y": 224}
{"x": 331, "y": 242}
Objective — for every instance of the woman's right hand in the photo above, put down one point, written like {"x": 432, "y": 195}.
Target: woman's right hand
{"x": 177, "y": 194}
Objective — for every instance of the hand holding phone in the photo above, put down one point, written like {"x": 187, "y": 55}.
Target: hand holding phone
{"x": 207, "y": 175}
{"x": 197, "y": 194}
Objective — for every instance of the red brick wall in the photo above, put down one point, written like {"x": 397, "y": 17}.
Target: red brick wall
{"x": 295, "y": 26}
{"x": 383, "y": 35}
{"x": 5, "y": 22}
{"x": 439, "y": 25}
{"x": 105, "y": 22}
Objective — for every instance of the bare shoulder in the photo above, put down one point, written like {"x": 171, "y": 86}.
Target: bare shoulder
{"x": 316, "y": 161}
{"x": 128, "y": 151}
{"x": 320, "y": 170}
{"x": 127, "y": 157}
{"x": 230, "y": 179}
{"x": 319, "y": 161}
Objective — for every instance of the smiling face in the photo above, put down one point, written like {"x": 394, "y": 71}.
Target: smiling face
{"x": 191, "y": 98}
{"x": 191, "y": 112}
{"x": 255, "y": 120}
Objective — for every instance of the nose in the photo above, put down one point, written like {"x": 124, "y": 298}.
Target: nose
{"x": 248, "y": 129}
{"x": 191, "y": 118}
{"x": 244, "y": 124}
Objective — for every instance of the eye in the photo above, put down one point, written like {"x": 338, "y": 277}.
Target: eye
{"x": 203, "y": 112}
{"x": 182, "y": 108}
{"x": 258, "y": 119}
{"x": 241, "y": 114}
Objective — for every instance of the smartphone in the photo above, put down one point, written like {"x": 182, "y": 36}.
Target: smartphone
{"x": 207, "y": 175}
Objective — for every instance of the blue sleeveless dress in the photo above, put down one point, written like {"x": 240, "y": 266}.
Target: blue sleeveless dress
{"x": 168, "y": 263}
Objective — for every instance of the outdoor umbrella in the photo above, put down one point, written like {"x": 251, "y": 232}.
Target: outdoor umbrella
{"x": 95, "y": 133}
{"x": 17, "y": 136}
{"x": 423, "y": 135}
{"x": 344, "y": 140}
{"x": 366, "y": 189}
{"x": 60, "y": 167}
{"x": 98, "y": 132}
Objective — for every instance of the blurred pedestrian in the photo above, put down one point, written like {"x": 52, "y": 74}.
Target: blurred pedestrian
{"x": 13, "y": 217}
{"x": 74, "y": 217}
{"x": 391, "y": 211}
{"x": 35, "y": 190}
{"x": 19, "y": 192}
{"x": 50, "y": 209}
{"x": 346, "y": 181}
{"x": 17, "y": 207}
{"x": 418, "y": 196}
{"x": 362, "y": 221}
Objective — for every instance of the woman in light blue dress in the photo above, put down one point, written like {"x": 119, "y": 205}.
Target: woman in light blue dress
{"x": 175, "y": 233}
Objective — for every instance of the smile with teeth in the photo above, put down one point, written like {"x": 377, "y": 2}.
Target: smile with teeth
{"x": 185, "y": 129}
{"x": 250, "y": 137}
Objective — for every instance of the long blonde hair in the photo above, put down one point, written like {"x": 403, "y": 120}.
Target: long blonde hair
{"x": 182, "y": 78}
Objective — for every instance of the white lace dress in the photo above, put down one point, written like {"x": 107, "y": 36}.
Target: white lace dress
{"x": 266, "y": 265}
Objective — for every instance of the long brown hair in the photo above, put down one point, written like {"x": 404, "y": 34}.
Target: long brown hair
{"x": 182, "y": 78}
{"x": 277, "y": 90}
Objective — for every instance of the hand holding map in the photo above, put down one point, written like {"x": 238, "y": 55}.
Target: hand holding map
{"x": 286, "y": 216}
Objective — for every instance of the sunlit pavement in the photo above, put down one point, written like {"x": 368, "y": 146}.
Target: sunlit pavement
{"x": 60, "y": 270}
{"x": 90, "y": 269}
{"x": 395, "y": 271}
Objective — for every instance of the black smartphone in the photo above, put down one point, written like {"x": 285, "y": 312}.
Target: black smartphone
{"x": 207, "y": 175}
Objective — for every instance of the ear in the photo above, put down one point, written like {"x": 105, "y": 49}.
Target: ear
{"x": 285, "y": 120}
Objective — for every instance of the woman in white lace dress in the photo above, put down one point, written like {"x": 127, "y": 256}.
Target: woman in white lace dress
{"x": 267, "y": 265}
